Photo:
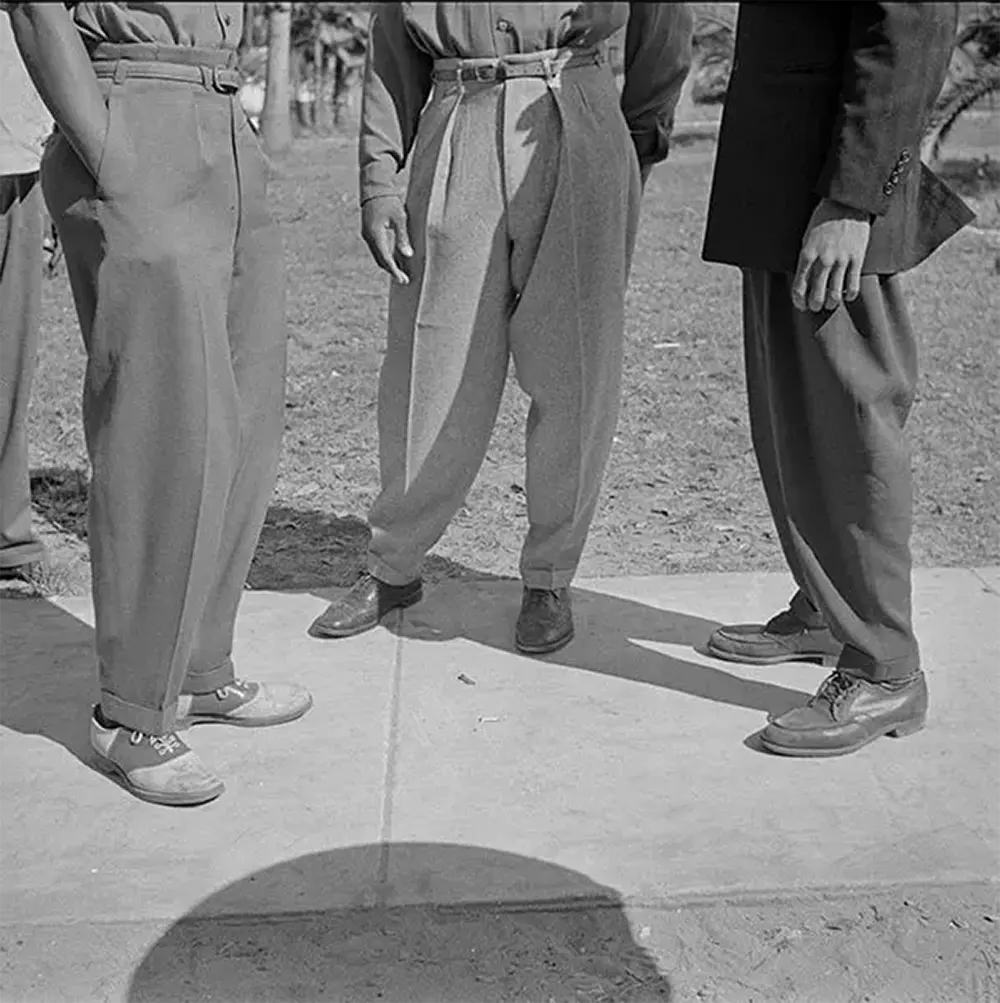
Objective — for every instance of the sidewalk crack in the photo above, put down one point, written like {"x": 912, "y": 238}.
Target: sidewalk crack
{"x": 389, "y": 777}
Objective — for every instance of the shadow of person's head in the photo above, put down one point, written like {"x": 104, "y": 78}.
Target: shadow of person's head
{"x": 413, "y": 922}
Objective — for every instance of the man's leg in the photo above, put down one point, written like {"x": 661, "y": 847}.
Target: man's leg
{"x": 446, "y": 355}
{"x": 775, "y": 396}
{"x": 257, "y": 346}
{"x": 842, "y": 385}
{"x": 20, "y": 308}
{"x": 151, "y": 272}
{"x": 574, "y": 204}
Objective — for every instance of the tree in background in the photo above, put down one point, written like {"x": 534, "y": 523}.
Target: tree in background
{"x": 974, "y": 74}
{"x": 275, "y": 124}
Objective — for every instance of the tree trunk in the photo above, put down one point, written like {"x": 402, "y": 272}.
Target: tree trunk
{"x": 275, "y": 120}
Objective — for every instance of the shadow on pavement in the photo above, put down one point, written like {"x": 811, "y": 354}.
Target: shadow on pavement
{"x": 614, "y": 636}
{"x": 47, "y": 676}
{"x": 311, "y": 549}
{"x": 531, "y": 930}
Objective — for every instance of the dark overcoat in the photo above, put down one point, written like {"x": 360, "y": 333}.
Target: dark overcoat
{"x": 831, "y": 100}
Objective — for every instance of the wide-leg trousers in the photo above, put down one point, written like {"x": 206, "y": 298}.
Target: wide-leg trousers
{"x": 523, "y": 204}
{"x": 829, "y": 397}
{"x": 20, "y": 314}
{"x": 179, "y": 286}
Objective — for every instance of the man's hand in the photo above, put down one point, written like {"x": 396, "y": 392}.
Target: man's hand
{"x": 833, "y": 250}
{"x": 384, "y": 227}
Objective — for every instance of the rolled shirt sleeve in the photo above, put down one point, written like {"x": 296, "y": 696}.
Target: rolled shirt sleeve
{"x": 397, "y": 81}
{"x": 657, "y": 62}
{"x": 895, "y": 66}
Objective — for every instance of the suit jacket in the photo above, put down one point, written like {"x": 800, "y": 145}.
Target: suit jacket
{"x": 830, "y": 100}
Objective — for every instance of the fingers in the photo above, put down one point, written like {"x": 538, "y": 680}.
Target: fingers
{"x": 384, "y": 228}
{"x": 400, "y": 225}
{"x": 800, "y": 283}
{"x": 381, "y": 245}
{"x": 834, "y": 292}
{"x": 852, "y": 287}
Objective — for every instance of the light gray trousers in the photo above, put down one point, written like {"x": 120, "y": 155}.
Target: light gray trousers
{"x": 20, "y": 314}
{"x": 523, "y": 205}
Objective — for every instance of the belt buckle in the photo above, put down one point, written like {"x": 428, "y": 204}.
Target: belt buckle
{"x": 218, "y": 83}
{"x": 486, "y": 74}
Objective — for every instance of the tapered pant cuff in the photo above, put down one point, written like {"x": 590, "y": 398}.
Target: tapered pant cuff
{"x": 855, "y": 662}
{"x": 15, "y": 555}
{"x": 208, "y": 680}
{"x": 388, "y": 574}
{"x": 546, "y": 578}
{"x": 136, "y": 718}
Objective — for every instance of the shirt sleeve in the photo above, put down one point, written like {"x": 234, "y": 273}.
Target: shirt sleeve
{"x": 657, "y": 62}
{"x": 397, "y": 80}
{"x": 895, "y": 66}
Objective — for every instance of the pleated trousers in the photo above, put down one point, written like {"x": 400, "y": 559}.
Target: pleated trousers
{"x": 179, "y": 288}
{"x": 20, "y": 315}
{"x": 523, "y": 204}
{"x": 829, "y": 397}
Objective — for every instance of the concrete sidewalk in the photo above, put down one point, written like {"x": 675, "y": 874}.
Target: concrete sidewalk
{"x": 439, "y": 767}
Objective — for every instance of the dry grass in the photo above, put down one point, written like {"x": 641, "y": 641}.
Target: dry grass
{"x": 681, "y": 493}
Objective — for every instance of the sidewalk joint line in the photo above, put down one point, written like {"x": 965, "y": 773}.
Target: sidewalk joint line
{"x": 389, "y": 778}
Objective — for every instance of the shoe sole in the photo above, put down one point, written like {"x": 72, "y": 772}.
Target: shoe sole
{"x": 898, "y": 731}
{"x": 821, "y": 657}
{"x": 116, "y": 773}
{"x": 323, "y": 632}
{"x": 235, "y": 722}
{"x": 545, "y": 649}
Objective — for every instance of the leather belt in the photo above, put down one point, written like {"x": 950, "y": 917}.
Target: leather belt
{"x": 214, "y": 69}
{"x": 547, "y": 65}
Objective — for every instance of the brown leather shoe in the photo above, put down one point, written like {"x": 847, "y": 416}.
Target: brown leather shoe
{"x": 796, "y": 634}
{"x": 847, "y": 713}
{"x": 546, "y": 621}
{"x": 361, "y": 608}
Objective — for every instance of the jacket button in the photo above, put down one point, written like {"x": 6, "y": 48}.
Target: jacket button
{"x": 888, "y": 188}
{"x": 503, "y": 24}
{"x": 904, "y": 157}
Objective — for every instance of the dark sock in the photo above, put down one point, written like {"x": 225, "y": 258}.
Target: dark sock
{"x": 103, "y": 721}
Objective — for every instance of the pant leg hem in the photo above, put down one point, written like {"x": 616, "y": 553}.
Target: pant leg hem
{"x": 388, "y": 574}
{"x": 136, "y": 718}
{"x": 539, "y": 579}
{"x": 16, "y": 555}
{"x": 856, "y": 663}
{"x": 207, "y": 680}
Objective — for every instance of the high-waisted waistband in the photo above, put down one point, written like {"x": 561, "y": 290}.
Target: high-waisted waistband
{"x": 214, "y": 69}
{"x": 148, "y": 52}
{"x": 547, "y": 64}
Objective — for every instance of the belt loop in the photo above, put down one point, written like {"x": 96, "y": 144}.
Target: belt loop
{"x": 121, "y": 72}
{"x": 206, "y": 77}
{"x": 551, "y": 72}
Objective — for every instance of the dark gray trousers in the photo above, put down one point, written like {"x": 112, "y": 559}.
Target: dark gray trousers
{"x": 829, "y": 397}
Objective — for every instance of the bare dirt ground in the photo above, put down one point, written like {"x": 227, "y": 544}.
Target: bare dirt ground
{"x": 901, "y": 946}
{"x": 681, "y": 494}
{"x": 681, "y": 491}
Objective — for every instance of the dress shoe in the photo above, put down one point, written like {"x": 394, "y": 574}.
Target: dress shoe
{"x": 156, "y": 768}
{"x": 546, "y": 621}
{"x": 786, "y": 637}
{"x": 244, "y": 704}
{"x": 847, "y": 713}
{"x": 364, "y": 605}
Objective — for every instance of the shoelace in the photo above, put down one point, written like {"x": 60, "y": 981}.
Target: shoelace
{"x": 165, "y": 745}
{"x": 237, "y": 688}
{"x": 834, "y": 688}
